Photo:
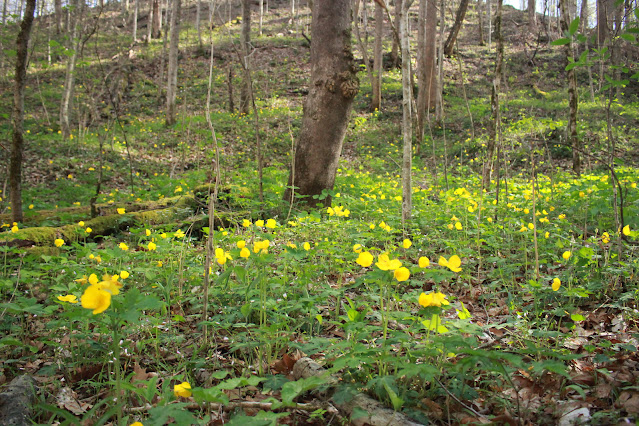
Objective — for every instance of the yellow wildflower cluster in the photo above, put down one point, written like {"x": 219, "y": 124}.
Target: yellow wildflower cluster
{"x": 338, "y": 211}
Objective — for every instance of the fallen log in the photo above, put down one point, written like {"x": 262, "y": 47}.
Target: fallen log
{"x": 16, "y": 402}
{"x": 378, "y": 415}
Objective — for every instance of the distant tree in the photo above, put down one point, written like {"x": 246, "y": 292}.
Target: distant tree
{"x": 454, "y": 31}
{"x": 395, "y": 46}
{"x": 57, "y": 6}
{"x": 17, "y": 117}
{"x": 171, "y": 88}
{"x": 494, "y": 136}
{"x": 480, "y": 21}
{"x": 73, "y": 45}
{"x": 573, "y": 100}
{"x": 378, "y": 66}
{"x": 407, "y": 100}
{"x": 328, "y": 105}
{"x": 245, "y": 91}
{"x": 135, "y": 20}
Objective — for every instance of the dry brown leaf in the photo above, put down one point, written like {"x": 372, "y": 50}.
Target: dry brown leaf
{"x": 67, "y": 399}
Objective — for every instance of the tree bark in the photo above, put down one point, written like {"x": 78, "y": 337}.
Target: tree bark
{"x": 69, "y": 79}
{"x": 171, "y": 88}
{"x": 17, "y": 119}
{"x": 407, "y": 129}
{"x": 135, "y": 20}
{"x": 156, "y": 22}
{"x": 583, "y": 16}
{"x": 495, "y": 127}
{"x": 245, "y": 91}
{"x": 532, "y": 15}
{"x": 573, "y": 99}
{"x": 57, "y": 5}
{"x": 427, "y": 95}
{"x": 480, "y": 20}
{"x": 395, "y": 45}
{"x": 459, "y": 20}
{"x": 198, "y": 12}
{"x": 378, "y": 66}
{"x": 327, "y": 108}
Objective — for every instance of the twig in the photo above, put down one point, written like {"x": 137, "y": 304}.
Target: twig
{"x": 245, "y": 404}
{"x": 457, "y": 399}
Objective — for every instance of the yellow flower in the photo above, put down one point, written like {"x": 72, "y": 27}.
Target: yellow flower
{"x": 357, "y": 248}
{"x": 152, "y": 246}
{"x": 386, "y": 264}
{"x": 30, "y": 206}
{"x": 450, "y": 226}
{"x": 556, "y": 283}
{"x": 147, "y": 232}
{"x": 433, "y": 299}
{"x": 365, "y": 259}
{"x": 246, "y": 223}
{"x": 93, "y": 279}
{"x": 15, "y": 228}
{"x": 163, "y": 235}
{"x": 183, "y": 389}
{"x": 88, "y": 230}
{"x": 81, "y": 224}
{"x": 124, "y": 275}
{"x": 453, "y": 263}
{"x": 179, "y": 234}
{"x": 424, "y": 262}
{"x": 401, "y": 274}
{"x": 261, "y": 246}
{"x": 330, "y": 211}
{"x": 70, "y": 176}
{"x": 547, "y": 235}
{"x": 159, "y": 264}
{"x": 271, "y": 224}
{"x": 245, "y": 253}
{"x": 490, "y": 219}
{"x": 259, "y": 223}
{"x": 562, "y": 216}
{"x": 531, "y": 226}
{"x": 566, "y": 255}
{"x": 241, "y": 244}
{"x": 71, "y": 298}
{"x": 605, "y": 238}
{"x": 526, "y": 211}
{"x": 96, "y": 298}
{"x": 458, "y": 226}
{"x": 136, "y": 424}
{"x": 110, "y": 284}
{"x": 407, "y": 243}
{"x": 121, "y": 210}
{"x": 307, "y": 246}
{"x": 123, "y": 246}
{"x": 626, "y": 230}
{"x": 59, "y": 242}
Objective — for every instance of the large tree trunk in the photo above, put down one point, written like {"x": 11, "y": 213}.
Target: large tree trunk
{"x": 427, "y": 95}
{"x": 327, "y": 108}
{"x": 156, "y": 22}
{"x": 135, "y": 20}
{"x": 494, "y": 136}
{"x": 459, "y": 20}
{"x": 480, "y": 21}
{"x": 532, "y": 16}
{"x": 378, "y": 66}
{"x": 198, "y": 12}
{"x": 171, "y": 88}
{"x": 17, "y": 145}
{"x": 245, "y": 91}
{"x": 583, "y": 16}
{"x": 57, "y": 5}
{"x": 603, "y": 30}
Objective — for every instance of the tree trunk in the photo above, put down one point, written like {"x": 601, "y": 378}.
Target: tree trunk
{"x": 495, "y": 127}
{"x": 427, "y": 95}
{"x": 261, "y": 15}
{"x": 490, "y": 23}
{"x": 198, "y": 12}
{"x": 171, "y": 88}
{"x": 17, "y": 145}
{"x": 156, "y": 22}
{"x": 407, "y": 131}
{"x": 363, "y": 45}
{"x": 583, "y": 16}
{"x": 480, "y": 19}
{"x": 602, "y": 23}
{"x": 573, "y": 100}
{"x": 135, "y": 20}
{"x": 245, "y": 91}
{"x": 532, "y": 15}
{"x": 327, "y": 107}
{"x": 395, "y": 46}
{"x": 459, "y": 20}
{"x": 378, "y": 66}
{"x": 69, "y": 80}
{"x": 57, "y": 5}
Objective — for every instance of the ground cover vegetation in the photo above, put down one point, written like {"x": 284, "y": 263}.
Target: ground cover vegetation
{"x": 513, "y": 302}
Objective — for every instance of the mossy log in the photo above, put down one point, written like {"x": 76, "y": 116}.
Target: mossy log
{"x": 377, "y": 414}
{"x": 187, "y": 211}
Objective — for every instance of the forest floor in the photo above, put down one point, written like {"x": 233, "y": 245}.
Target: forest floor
{"x": 505, "y": 306}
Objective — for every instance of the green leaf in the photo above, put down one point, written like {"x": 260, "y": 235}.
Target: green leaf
{"x": 628, "y": 37}
{"x": 574, "y": 26}
{"x": 291, "y": 390}
{"x": 560, "y": 42}
{"x": 395, "y": 399}
{"x": 577, "y": 317}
